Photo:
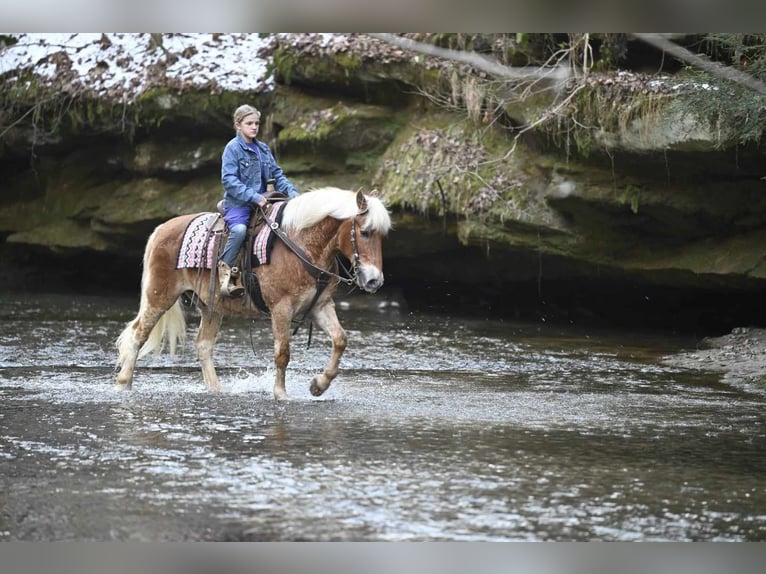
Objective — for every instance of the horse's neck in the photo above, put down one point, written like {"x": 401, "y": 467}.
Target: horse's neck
{"x": 320, "y": 242}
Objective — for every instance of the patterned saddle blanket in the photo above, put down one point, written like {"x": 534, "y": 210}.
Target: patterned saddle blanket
{"x": 207, "y": 232}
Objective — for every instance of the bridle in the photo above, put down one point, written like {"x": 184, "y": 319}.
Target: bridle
{"x": 357, "y": 262}
{"x": 322, "y": 276}
{"x": 314, "y": 270}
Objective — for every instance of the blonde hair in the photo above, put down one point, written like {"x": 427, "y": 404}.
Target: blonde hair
{"x": 242, "y": 112}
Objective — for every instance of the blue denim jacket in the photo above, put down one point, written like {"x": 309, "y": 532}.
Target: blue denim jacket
{"x": 243, "y": 175}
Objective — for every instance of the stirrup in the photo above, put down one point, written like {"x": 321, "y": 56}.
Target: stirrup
{"x": 224, "y": 279}
{"x": 236, "y": 289}
{"x": 231, "y": 291}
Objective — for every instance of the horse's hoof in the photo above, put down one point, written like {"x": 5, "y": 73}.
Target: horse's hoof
{"x": 123, "y": 386}
{"x": 315, "y": 389}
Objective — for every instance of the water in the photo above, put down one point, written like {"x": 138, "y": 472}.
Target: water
{"x": 437, "y": 429}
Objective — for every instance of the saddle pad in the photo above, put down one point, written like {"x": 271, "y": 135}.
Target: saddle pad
{"x": 264, "y": 240}
{"x": 197, "y": 248}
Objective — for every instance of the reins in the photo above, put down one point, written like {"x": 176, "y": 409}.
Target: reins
{"x": 313, "y": 269}
{"x": 322, "y": 276}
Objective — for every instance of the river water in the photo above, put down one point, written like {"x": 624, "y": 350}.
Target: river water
{"x": 437, "y": 429}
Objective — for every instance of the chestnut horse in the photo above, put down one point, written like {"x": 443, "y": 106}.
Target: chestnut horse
{"x": 320, "y": 224}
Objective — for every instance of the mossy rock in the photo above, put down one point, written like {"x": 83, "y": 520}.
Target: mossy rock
{"x": 177, "y": 155}
{"x": 146, "y": 199}
{"x": 631, "y": 116}
{"x": 63, "y": 234}
{"x": 313, "y": 161}
{"x": 343, "y": 125}
{"x": 69, "y": 188}
{"x": 370, "y": 80}
{"x": 420, "y": 163}
{"x": 192, "y": 107}
{"x": 197, "y": 195}
{"x": 59, "y": 115}
{"x": 741, "y": 255}
{"x": 516, "y": 235}
{"x": 446, "y": 164}
{"x": 330, "y": 135}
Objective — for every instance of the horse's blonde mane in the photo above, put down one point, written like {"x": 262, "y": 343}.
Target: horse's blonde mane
{"x": 313, "y": 206}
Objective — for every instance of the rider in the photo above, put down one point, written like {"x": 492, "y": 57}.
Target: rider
{"x": 246, "y": 165}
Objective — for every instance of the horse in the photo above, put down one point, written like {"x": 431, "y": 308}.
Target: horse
{"x": 300, "y": 277}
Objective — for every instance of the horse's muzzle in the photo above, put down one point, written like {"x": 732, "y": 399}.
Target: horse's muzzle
{"x": 370, "y": 279}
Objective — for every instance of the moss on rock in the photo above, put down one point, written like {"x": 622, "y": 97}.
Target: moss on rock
{"x": 62, "y": 234}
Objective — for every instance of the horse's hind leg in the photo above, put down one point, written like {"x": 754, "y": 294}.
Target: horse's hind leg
{"x": 209, "y": 326}
{"x": 133, "y": 338}
{"x": 160, "y": 289}
{"x": 328, "y": 322}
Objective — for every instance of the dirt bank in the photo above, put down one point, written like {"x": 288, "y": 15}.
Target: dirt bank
{"x": 740, "y": 356}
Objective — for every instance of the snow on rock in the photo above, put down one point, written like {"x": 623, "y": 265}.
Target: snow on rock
{"x": 124, "y": 65}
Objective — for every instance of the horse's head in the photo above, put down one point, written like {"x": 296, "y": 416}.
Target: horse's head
{"x": 364, "y": 247}
{"x": 363, "y": 223}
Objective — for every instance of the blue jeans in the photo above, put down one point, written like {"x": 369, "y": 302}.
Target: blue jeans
{"x": 237, "y": 219}
{"x": 237, "y": 235}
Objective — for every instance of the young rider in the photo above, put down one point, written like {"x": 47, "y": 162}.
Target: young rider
{"x": 246, "y": 165}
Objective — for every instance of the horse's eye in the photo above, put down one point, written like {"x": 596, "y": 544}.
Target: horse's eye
{"x": 366, "y": 234}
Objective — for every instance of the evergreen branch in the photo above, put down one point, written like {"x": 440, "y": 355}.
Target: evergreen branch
{"x": 715, "y": 68}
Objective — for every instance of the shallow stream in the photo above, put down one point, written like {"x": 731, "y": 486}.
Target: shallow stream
{"x": 437, "y": 428}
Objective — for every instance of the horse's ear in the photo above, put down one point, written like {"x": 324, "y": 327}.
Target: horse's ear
{"x": 373, "y": 193}
{"x": 361, "y": 202}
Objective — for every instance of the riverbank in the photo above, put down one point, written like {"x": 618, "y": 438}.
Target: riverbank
{"x": 739, "y": 355}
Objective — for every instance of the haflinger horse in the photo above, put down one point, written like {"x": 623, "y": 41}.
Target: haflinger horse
{"x": 300, "y": 277}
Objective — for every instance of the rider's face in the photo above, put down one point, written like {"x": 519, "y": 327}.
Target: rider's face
{"x": 248, "y": 127}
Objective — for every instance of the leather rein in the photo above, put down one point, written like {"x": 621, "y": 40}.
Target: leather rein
{"x": 322, "y": 276}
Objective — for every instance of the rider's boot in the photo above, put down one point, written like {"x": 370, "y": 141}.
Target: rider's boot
{"x": 236, "y": 288}
{"x": 224, "y": 278}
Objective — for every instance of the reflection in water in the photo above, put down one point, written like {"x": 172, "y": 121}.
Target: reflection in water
{"x": 436, "y": 429}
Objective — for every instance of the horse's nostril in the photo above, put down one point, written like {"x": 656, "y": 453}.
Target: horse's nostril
{"x": 373, "y": 285}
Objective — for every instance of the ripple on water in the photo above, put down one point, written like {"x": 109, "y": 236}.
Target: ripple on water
{"x": 435, "y": 429}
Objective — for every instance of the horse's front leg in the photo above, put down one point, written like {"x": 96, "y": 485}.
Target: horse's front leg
{"x": 209, "y": 326}
{"x": 327, "y": 320}
{"x": 280, "y": 328}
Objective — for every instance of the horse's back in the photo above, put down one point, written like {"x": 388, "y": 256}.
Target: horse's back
{"x": 179, "y": 222}
{"x": 167, "y": 236}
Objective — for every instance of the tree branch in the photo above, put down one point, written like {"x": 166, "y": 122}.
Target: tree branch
{"x": 559, "y": 74}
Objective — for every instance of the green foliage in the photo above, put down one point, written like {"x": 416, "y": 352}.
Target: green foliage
{"x": 631, "y": 195}
{"x": 611, "y": 52}
{"x": 30, "y": 106}
{"x": 738, "y": 111}
{"x": 338, "y": 68}
{"x": 746, "y": 52}
{"x": 7, "y": 40}
{"x": 283, "y": 66}
{"x": 601, "y": 108}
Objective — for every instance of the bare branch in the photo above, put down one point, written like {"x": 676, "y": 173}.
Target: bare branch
{"x": 558, "y": 74}
{"x": 715, "y": 68}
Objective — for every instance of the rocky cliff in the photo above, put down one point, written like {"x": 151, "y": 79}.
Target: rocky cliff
{"x": 623, "y": 206}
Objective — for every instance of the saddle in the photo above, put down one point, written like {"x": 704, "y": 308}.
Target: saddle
{"x": 205, "y": 237}
{"x": 254, "y": 229}
{"x": 256, "y": 249}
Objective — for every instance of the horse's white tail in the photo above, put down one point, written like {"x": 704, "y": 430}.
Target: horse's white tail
{"x": 170, "y": 328}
